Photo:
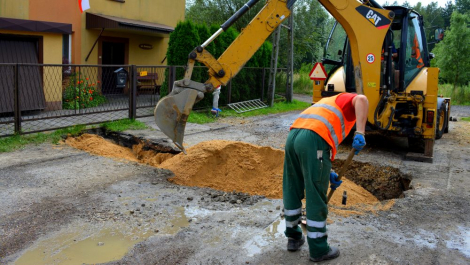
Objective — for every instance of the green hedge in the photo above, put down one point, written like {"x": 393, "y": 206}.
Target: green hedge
{"x": 187, "y": 35}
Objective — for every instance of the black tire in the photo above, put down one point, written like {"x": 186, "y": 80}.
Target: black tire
{"x": 442, "y": 121}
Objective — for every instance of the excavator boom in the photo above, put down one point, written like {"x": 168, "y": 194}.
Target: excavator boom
{"x": 365, "y": 24}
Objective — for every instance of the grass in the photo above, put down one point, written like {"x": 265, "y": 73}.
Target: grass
{"x": 124, "y": 125}
{"x": 302, "y": 82}
{"x": 202, "y": 117}
{"x": 8, "y": 144}
{"x": 460, "y": 95}
{"x": 466, "y": 119}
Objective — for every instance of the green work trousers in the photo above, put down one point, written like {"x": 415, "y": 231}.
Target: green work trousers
{"x": 307, "y": 168}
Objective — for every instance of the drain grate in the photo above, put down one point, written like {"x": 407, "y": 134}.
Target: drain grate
{"x": 248, "y": 105}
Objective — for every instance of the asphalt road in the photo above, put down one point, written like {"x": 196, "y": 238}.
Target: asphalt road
{"x": 61, "y": 205}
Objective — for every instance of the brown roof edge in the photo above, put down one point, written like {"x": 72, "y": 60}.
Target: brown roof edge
{"x": 34, "y": 25}
{"x": 95, "y": 21}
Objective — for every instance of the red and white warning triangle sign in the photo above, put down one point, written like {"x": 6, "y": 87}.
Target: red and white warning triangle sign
{"x": 318, "y": 72}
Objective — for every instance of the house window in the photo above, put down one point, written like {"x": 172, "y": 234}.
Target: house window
{"x": 66, "y": 49}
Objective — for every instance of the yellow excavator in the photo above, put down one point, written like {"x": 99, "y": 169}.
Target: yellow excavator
{"x": 360, "y": 57}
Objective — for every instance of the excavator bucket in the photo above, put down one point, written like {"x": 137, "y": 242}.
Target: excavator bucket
{"x": 172, "y": 112}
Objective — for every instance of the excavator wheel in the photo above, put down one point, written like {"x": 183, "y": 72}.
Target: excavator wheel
{"x": 442, "y": 121}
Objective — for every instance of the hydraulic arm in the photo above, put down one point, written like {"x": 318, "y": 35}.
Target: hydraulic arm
{"x": 365, "y": 24}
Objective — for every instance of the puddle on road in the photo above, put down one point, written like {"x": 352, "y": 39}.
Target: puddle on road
{"x": 109, "y": 244}
{"x": 178, "y": 221}
{"x": 257, "y": 243}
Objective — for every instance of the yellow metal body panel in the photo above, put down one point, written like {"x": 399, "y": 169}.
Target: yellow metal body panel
{"x": 338, "y": 78}
{"x": 365, "y": 39}
{"x": 430, "y": 103}
{"x": 420, "y": 82}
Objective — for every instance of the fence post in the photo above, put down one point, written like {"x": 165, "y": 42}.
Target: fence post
{"x": 229, "y": 92}
{"x": 75, "y": 93}
{"x": 17, "y": 101}
{"x": 133, "y": 93}
{"x": 171, "y": 77}
{"x": 264, "y": 81}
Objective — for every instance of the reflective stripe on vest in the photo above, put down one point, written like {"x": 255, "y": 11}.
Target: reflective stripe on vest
{"x": 324, "y": 121}
{"x": 336, "y": 112}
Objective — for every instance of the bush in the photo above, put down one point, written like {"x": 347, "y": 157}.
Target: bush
{"x": 460, "y": 95}
{"x": 302, "y": 82}
{"x": 82, "y": 93}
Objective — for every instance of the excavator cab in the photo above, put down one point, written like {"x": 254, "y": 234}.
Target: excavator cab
{"x": 403, "y": 42}
{"x": 404, "y": 84}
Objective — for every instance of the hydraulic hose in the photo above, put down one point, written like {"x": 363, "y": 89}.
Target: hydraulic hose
{"x": 373, "y": 4}
{"x": 230, "y": 21}
{"x": 238, "y": 14}
{"x": 381, "y": 102}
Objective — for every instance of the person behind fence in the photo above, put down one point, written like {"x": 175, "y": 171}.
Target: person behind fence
{"x": 215, "y": 102}
{"x": 313, "y": 136}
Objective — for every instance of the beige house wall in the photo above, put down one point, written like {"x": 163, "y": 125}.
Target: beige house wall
{"x": 66, "y": 11}
{"x": 167, "y": 12}
{"x": 137, "y": 55}
{"x": 18, "y": 9}
{"x": 156, "y": 11}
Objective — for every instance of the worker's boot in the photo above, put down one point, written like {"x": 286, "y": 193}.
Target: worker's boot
{"x": 295, "y": 244}
{"x": 332, "y": 254}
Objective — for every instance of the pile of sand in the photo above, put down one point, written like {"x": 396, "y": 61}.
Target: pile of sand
{"x": 229, "y": 166}
{"x": 96, "y": 145}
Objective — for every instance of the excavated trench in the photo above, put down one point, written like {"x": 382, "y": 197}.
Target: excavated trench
{"x": 242, "y": 168}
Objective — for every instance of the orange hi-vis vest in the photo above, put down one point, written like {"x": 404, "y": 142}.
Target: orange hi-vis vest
{"x": 417, "y": 53}
{"x": 327, "y": 120}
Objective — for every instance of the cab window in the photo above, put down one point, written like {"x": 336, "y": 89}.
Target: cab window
{"x": 335, "y": 47}
{"x": 414, "y": 54}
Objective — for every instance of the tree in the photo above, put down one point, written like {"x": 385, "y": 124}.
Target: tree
{"x": 218, "y": 11}
{"x": 462, "y": 6}
{"x": 453, "y": 53}
{"x": 433, "y": 19}
{"x": 311, "y": 25}
{"x": 182, "y": 41}
{"x": 447, "y": 13}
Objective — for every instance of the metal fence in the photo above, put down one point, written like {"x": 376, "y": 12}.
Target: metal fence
{"x": 37, "y": 97}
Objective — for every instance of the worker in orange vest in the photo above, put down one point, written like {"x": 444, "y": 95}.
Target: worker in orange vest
{"x": 416, "y": 53}
{"x": 310, "y": 147}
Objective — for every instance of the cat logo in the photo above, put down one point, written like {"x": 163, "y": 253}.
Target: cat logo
{"x": 373, "y": 17}
{"x": 377, "y": 19}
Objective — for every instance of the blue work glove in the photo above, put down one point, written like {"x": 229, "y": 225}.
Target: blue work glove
{"x": 216, "y": 111}
{"x": 335, "y": 183}
{"x": 359, "y": 142}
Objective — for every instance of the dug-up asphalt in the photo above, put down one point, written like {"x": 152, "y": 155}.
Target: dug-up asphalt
{"x": 65, "y": 206}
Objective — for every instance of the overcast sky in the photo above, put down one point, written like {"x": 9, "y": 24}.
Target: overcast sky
{"x": 441, "y": 3}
